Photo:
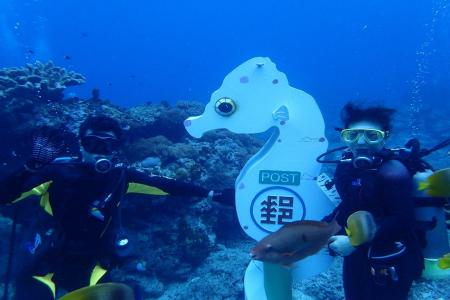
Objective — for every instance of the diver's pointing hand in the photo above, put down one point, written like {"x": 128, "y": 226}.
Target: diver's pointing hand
{"x": 225, "y": 196}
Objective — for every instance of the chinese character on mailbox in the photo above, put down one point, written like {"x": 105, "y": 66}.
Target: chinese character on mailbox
{"x": 285, "y": 210}
{"x": 277, "y": 210}
{"x": 268, "y": 210}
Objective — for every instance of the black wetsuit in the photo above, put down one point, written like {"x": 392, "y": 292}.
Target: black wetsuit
{"x": 81, "y": 208}
{"x": 386, "y": 192}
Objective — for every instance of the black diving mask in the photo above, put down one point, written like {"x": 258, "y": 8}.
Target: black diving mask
{"x": 103, "y": 147}
{"x": 100, "y": 144}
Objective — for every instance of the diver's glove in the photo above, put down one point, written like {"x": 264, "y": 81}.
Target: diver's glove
{"x": 340, "y": 244}
{"x": 225, "y": 196}
{"x": 48, "y": 144}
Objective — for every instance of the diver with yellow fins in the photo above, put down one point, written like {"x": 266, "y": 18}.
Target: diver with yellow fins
{"x": 77, "y": 236}
{"x": 392, "y": 208}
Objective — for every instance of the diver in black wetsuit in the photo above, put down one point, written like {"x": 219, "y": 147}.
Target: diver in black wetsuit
{"x": 384, "y": 267}
{"x": 80, "y": 198}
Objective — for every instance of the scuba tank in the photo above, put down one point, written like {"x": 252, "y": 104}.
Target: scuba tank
{"x": 430, "y": 217}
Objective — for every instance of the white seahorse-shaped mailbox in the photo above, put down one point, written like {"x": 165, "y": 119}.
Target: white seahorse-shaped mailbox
{"x": 281, "y": 183}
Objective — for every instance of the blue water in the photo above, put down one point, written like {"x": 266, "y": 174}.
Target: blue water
{"x": 139, "y": 51}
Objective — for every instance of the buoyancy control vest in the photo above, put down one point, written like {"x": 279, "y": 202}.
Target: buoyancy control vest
{"x": 430, "y": 213}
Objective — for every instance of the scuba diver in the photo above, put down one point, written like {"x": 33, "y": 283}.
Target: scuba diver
{"x": 368, "y": 178}
{"x": 78, "y": 234}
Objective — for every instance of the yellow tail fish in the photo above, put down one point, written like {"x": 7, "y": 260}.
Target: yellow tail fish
{"x": 104, "y": 291}
{"x": 444, "y": 261}
{"x": 438, "y": 184}
{"x": 361, "y": 227}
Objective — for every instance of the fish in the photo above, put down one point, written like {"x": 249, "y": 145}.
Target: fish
{"x": 294, "y": 241}
{"x": 84, "y": 34}
{"x": 67, "y": 57}
{"x": 361, "y": 227}
{"x": 104, "y": 291}
{"x": 437, "y": 184}
{"x": 444, "y": 262}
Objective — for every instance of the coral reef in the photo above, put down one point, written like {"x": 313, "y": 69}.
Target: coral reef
{"x": 220, "y": 277}
{"x": 161, "y": 119}
{"x": 37, "y": 82}
{"x": 215, "y": 160}
{"x": 23, "y": 92}
{"x": 183, "y": 248}
{"x": 170, "y": 240}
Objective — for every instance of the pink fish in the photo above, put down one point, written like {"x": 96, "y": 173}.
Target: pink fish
{"x": 294, "y": 241}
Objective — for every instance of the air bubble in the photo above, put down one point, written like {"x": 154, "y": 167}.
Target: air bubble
{"x": 422, "y": 61}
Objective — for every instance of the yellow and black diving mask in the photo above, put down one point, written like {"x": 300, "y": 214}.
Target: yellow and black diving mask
{"x": 371, "y": 136}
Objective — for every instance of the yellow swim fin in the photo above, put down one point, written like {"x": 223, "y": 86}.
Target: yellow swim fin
{"x": 47, "y": 280}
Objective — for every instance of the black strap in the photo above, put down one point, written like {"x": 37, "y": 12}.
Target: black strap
{"x": 425, "y": 152}
{"x": 121, "y": 188}
{"x": 12, "y": 241}
{"x": 326, "y": 161}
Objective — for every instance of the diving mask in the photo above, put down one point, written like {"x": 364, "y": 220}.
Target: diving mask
{"x": 371, "y": 136}
{"x": 100, "y": 148}
{"x": 365, "y": 144}
{"x": 100, "y": 144}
